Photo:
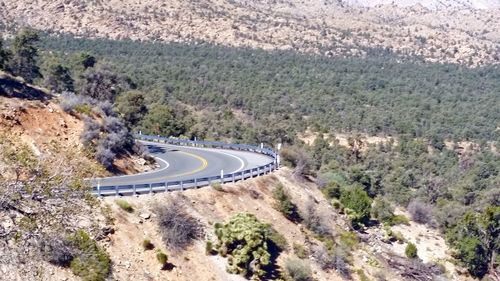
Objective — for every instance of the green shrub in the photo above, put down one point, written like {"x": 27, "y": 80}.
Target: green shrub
{"x": 217, "y": 186}
{"x": 331, "y": 190}
{"x": 329, "y": 243}
{"x": 83, "y": 109}
{"x": 147, "y": 245}
{"x": 362, "y": 275}
{"x": 161, "y": 257}
{"x": 393, "y": 235}
{"x": 337, "y": 204}
{"x": 209, "y": 248}
{"x": 349, "y": 239}
{"x": 475, "y": 237}
{"x": 298, "y": 270}
{"x": 300, "y": 251}
{"x": 124, "y": 205}
{"x": 92, "y": 263}
{"x": 356, "y": 199}
{"x": 382, "y": 210}
{"x": 284, "y": 204}
{"x": 399, "y": 219}
{"x": 411, "y": 250}
{"x": 398, "y": 236}
{"x": 245, "y": 240}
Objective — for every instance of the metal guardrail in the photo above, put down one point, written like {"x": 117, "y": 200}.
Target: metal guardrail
{"x": 149, "y": 188}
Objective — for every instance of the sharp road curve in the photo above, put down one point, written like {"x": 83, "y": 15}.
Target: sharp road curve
{"x": 180, "y": 166}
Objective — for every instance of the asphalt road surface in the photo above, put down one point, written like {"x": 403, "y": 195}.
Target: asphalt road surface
{"x": 181, "y": 163}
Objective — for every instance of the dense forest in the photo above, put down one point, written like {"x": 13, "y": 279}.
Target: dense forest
{"x": 374, "y": 95}
{"x": 248, "y": 95}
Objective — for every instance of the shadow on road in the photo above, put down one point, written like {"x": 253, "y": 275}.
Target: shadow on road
{"x": 155, "y": 149}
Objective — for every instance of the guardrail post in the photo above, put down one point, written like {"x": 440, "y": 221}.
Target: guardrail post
{"x": 98, "y": 189}
{"x": 254, "y": 172}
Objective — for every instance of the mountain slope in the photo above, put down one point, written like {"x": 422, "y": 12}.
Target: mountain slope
{"x": 430, "y": 4}
{"x": 332, "y": 28}
{"x": 370, "y": 254}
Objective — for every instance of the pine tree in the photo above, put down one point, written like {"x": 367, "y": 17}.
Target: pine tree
{"x": 25, "y": 54}
{"x": 4, "y": 56}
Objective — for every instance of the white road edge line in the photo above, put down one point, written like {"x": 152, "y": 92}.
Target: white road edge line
{"x": 241, "y": 161}
{"x": 143, "y": 173}
{"x": 216, "y": 150}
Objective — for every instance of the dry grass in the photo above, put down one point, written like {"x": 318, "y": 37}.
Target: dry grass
{"x": 323, "y": 27}
{"x": 178, "y": 228}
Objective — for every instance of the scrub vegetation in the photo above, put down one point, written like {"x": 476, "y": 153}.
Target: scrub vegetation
{"x": 441, "y": 162}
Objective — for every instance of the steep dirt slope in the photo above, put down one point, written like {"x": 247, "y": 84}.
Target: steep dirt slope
{"x": 210, "y": 206}
{"x": 31, "y": 116}
{"x": 42, "y": 164}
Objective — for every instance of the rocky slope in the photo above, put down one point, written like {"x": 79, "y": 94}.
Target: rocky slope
{"x": 33, "y": 117}
{"x": 42, "y": 196}
{"x": 371, "y": 255}
{"x": 430, "y": 4}
{"x": 442, "y": 31}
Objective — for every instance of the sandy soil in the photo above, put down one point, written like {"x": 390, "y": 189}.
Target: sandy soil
{"x": 209, "y": 206}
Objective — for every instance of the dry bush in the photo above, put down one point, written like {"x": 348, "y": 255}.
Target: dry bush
{"x": 69, "y": 101}
{"x": 315, "y": 221}
{"x": 58, "y": 250}
{"x": 298, "y": 270}
{"x": 322, "y": 257}
{"x": 337, "y": 259}
{"x": 421, "y": 212}
{"x": 91, "y": 131}
{"x": 298, "y": 159}
{"x": 178, "y": 229}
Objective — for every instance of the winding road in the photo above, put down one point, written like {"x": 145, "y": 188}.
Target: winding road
{"x": 182, "y": 167}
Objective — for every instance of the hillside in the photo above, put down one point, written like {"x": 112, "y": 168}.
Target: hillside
{"x": 376, "y": 95}
{"x": 430, "y": 4}
{"x": 438, "y": 31}
{"x": 34, "y": 118}
{"x": 383, "y": 115}
{"x": 42, "y": 166}
{"x": 369, "y": 253}
{"x": 43, "y": 161}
